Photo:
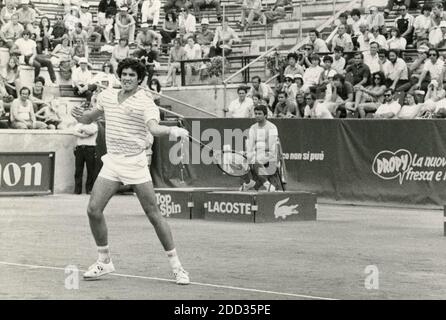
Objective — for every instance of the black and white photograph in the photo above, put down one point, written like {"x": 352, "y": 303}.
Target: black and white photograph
{"x": 214, "y": 158}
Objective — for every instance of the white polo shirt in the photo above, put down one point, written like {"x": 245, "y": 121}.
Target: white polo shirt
{"x": 240, "y": 110}
{"x": 319, "y": 111}
{"x": 372, "y": 62}
{"x": 391, "y": 70}
{"x": 26, "y": 47}
{"x": 393, "y": 107}
{"x": 434, "y": 70}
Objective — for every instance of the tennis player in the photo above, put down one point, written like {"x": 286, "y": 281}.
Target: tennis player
{"x": 261, "y": 151}
{"x": 130, "y": 115}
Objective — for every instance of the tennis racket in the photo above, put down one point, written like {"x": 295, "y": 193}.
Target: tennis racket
{"x": 231, "y": 162}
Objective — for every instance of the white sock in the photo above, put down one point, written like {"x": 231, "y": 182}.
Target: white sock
{"x": 173, "y": 259}
{"x": 104, "y": 254}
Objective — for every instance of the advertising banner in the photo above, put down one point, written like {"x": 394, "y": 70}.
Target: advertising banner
{"x": 26, "y": 173}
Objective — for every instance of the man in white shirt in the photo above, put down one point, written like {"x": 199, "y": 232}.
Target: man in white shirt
{"x": 261, "y": 151}
{"x": 27, "y": 48}
{"x": 264, "y": 90}
{"x": 81, "y": 80}
{"x": 124, "y": 25}
{"x": 395, "y": 71}
{"x": 434, "y": 66}
{"x": 86, "y": 18}
{"x": 319, "y": 45}
{"x": 251, "y": 9}
{"x": 423, "y": 23}
{"x": 371, "y": 58}
{"x": 390, "y": 108}
{"x": 379, "y": 38}
{"x": 26, "y": 14}
{"x": 85, "y": 154}
{"x": 315, "y": 110}
{"x": 338, "y": 60}
{"x": 342, "y": 39}
{"x": 11, "y": 31}
{"x": 240, "y": 107}
{"x": 150, "y": 11}
{"x": 365, "y": 38}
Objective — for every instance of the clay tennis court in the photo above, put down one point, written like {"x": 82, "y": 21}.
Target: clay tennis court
{"x": 323, "y": 259}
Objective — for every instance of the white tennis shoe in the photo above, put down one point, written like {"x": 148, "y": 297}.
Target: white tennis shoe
{"x": 181, "y": 276}
{"x": 247, "y": 186}
{"x": 98, "y": 269}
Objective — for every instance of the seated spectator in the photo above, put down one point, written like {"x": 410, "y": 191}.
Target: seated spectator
{"x": 339, "y": 97}
{"x": 124, "y": 25}
{"x": 358, "y": 73}
{"x": 371, "y": 58}
{"x": 438, "y": 36}
{"x": 11, "y": 32}
{"x": 300, "y": 101}
{"x": 437, "y": 15}
{"x": 207, "y": 4}
{"x": 290, "y": 88}
{"x": 22, "y": 112}
{"x": 390, "y": 108}
{"x": 26, "y": 14}
{"x": 415, "y": 70}
{"x": 224, "y": 38}
{"x": 105, "y": 28}
{"x": 68, "y": 4}
{"x": 79, "y": 33}
{"x": 327, "y": 75}
{"x": 423, "y": 23}
{"x": 319, "y": 45}
{"x": 251, "y": 9}
{"x": 62, "y": 52}
{"x": 298, "y": 80}
{"x": 434, "y": 66}
{"x": 410, "y": 109}
{"x": 34, "y": 28}
{"x": 343, "y": 20}
{"x": 434, "y": 94}
{"x": 169, "y": 30}
{"x": 150, "y": 11}
{"x": 375, "y": 19}
{"x": 107, "y": 77}
{"x": 80, "y": 50}
{"x": 342, "y": 39}
{"x": 395, "y": 71}
{"x": 357, "y": 22}
{"x": 285, "y": 108}
{"x": 71, "y": 18}
{"x": 132, "y": 5}
{"x": 315, "y": 110}
{"x": 146, "y": 37}
{"x": 155, "y": 86}
{"x": 264, "y": 90}
{"x": 404, "y": 24}
{"x": 149, "y": 58}
{"x": 379, "y": 38}
{"x": 186, "y": 24}
{"x": 368, "y": 99}
{"x": 50, "y": 116}
{"x": 338, "y": 60}
{"x": 120, "y": 52}
{"x": 107, "y": 7}
{"x": 240, "y": 107}
{"x": 46, "y": 34}
{"x": 59, "y": 30}
{"x": 11, "y": 77}
{"x": 38, "y": 98}
{"x": 192, "y": 51}
{"x": 306, "y": 54}
{"x": 382, "y": 56}
{"x": 277, "y": 12}
{"x": 177, "y": 54}
{"x": 86, "y": 19}
{"x": 81, "y": 80}
{"x": 312, "y": 74}
{"x": 293, "y": 67}
{"x": 205, "y": 37}
{"x": 396, "y": 41}
{"x": 7, "y": 11}
{"x": 27, "y": 48}
{"x": 364, "y": 38}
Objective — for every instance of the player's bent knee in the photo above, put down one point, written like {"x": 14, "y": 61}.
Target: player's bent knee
{"x": 94, "y": 212}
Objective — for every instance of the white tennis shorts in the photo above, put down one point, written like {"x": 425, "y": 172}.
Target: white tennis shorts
{"x": 126, "y": 169}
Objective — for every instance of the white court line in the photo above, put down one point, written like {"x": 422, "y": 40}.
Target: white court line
{"x": 32, "y": 266}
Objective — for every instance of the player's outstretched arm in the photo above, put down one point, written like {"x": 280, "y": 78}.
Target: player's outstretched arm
{"x": 90, "y": 116}
{"x": 159, "y": 130}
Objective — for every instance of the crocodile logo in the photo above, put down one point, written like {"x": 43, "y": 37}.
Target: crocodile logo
{"x": 282, "y": 211}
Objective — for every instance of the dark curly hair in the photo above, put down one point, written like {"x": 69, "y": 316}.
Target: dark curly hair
{"x": 133, "y": 64}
